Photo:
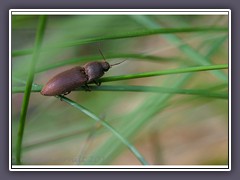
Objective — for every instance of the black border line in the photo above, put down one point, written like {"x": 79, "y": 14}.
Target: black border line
{"x": 144, "y": 168}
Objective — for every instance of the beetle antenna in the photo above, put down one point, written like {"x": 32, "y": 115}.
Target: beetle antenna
{"x": 106, "y": 61}
{"x": 117, "y": 63}
{"x": 101, "y": 54}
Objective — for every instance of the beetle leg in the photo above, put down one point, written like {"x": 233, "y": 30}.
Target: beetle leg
{"x": 97, "y": 83}
{"x": 59, "y": 97}
{"x": 87, "y": 88}
{"x": 66, "y": 93}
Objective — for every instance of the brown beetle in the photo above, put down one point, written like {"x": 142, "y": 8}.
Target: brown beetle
{"x": 64, "y": 82}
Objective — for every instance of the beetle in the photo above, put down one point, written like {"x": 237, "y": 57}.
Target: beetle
{"x": 66, "y": 81}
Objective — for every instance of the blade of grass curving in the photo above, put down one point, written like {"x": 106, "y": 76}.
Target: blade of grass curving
{"x": 135, "y": 121}
{"x": 37, "y": 45}
{"x": 186, "y": 49}
{"x": 76, "y": 134}
{"x": 138, "y": 119}
{"x": 138, "y": 33}
{"x": 106, "y": 125}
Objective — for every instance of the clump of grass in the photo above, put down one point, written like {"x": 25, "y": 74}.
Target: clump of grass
{"x": 143, "y": 114}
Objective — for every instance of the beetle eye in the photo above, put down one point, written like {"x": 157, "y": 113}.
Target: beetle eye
{"x": 106, "y": 66}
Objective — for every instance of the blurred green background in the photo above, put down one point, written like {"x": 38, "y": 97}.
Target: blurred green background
{"x": 167, "y": 129}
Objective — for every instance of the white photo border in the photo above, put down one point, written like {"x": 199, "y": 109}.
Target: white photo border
{"x": 122, "y": 167}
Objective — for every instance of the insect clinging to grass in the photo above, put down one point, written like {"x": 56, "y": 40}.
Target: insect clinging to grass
{"x": 66, "y": 81}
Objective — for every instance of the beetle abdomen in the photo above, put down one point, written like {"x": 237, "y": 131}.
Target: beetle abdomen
{"x": 65, "y": 82}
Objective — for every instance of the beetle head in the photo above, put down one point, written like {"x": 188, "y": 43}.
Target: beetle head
{"x": 105, "y": 65}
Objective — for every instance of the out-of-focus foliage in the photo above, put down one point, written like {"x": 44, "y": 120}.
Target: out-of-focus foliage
{"x": 168, "y": 129}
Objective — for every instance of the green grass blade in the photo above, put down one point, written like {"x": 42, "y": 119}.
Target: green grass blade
{"x": 140, "y": 120}
{"x": 108, "y": 126}
{"x": 38, "y": 42}
{"x": 186, "y": 49}
{"x": 164, "y": 72}
{"x": 37, "y": 88}
{"x": 160, "y": 102}
{"x": 136, "y": 120}
{"x": 123, "y": 35}
{"x": 152, "y": 89}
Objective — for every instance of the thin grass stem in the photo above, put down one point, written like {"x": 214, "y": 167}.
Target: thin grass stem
{"x": 27, "y": 92}
{"x": 106, "y": 125}
{"x": 132, "y": 34}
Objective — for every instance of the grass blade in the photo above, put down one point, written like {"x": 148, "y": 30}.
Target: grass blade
{"x": 108, "y": 126}
{"x": 164, "y": 72}
{"x": 136, "y": 120}
{"x": 38, "y": 42}
{"x": 186, "y": 49}
{"x": 123, "y": 35}
{"x": 152, "y": 89}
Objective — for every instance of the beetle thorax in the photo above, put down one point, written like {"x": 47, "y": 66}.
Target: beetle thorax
{"x": 95, "y": 70}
